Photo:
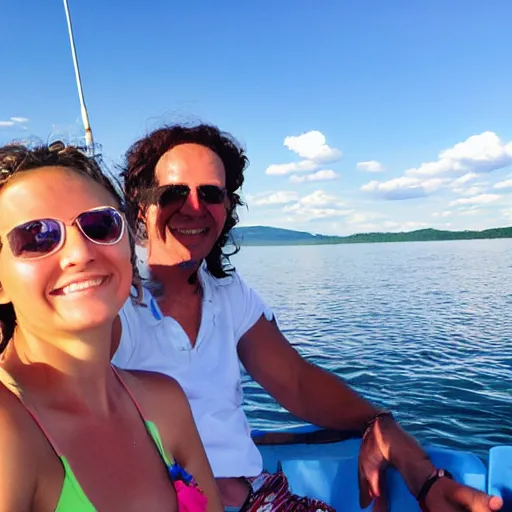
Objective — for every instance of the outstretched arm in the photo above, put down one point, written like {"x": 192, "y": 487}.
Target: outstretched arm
{"x": 323, "y": 399}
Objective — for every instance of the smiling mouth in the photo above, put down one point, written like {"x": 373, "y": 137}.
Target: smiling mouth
{"x": 80, "y": 286}
{"x": 189, "y": 231}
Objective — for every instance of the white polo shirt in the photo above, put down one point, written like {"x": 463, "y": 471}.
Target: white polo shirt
{"x": 209, "y": 372}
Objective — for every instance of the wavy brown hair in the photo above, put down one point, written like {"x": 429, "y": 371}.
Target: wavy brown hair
{"x": 138, "y": 172}
{"x": 16, "y": 158}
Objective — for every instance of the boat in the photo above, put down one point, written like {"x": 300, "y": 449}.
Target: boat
{"x": 322, "y": 464}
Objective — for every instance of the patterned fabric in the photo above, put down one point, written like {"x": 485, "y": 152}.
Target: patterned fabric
{"x": 188, "y": 494}
{"x": 271, "y": 493}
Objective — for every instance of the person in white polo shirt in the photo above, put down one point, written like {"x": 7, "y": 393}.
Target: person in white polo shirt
{"x": 199, "y": 321}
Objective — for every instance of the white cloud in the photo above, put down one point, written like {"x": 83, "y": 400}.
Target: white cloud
{"x": 405, "y": 187}
{"x": 312, "y": 147}
{"x": 317, "y": 205}
{"x": 464, "y": 179}
{"x": 479, "y": 153}
{"x": 13, "y": 121}
{"x": 320, "y": 198}
{"x": 503, "y": 184}
{"x": 481, "y": 199}
{"x": 370, "y": 166}
{"x": 324, "y": 175}
{"x": 272, "y": 198}
{"x": 281, "y": 169}
{"x": 471, "y": 191}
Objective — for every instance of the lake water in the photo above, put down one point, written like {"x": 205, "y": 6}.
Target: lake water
{"x": 421, "y": 328}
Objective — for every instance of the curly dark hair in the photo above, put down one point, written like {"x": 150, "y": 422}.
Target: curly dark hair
{"x": 139, "y": 178}
{"x": 16, "y": 158}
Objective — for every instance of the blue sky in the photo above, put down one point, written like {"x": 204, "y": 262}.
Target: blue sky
{"x": 356, "y": 115}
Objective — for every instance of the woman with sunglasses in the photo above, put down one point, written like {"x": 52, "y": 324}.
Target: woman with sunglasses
{"x": 77, "y": 435}
{"x": 201, "y": 320}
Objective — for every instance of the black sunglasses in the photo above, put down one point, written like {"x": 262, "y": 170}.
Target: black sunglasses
{"x": 42, "y": 237}
{"x": 167, "y": 195}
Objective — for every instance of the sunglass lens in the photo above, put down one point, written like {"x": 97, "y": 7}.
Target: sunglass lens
{"x": 172, "y": 193}
{"x": 211, "y": 194}
{"x": 35, "y": 238}
{"x": 103, "y": 226}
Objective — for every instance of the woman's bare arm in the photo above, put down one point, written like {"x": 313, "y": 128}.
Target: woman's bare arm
{"x": 18, "y": 466}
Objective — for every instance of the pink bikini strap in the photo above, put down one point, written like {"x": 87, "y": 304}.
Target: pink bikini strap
{"x": 33, "y": 415}
{"x": 130, "y": 394}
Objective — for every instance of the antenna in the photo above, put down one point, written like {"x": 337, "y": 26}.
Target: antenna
{"x": 89, "y": 141}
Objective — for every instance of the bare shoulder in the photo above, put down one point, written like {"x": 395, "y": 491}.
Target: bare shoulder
{"x": 21, "y": 454}
{"x": 158, "y": 394}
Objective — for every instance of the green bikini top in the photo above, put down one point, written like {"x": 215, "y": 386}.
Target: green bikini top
{"x": 72, "y": 497}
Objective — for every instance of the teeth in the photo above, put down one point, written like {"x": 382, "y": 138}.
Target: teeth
{"x": 82, "y": 285}
{"x": 190, "y": 231}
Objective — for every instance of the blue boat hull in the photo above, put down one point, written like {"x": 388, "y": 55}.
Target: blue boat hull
{"x": 320, "y": 466}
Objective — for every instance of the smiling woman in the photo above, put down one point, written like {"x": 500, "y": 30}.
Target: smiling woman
{"x": 66, "y": 268}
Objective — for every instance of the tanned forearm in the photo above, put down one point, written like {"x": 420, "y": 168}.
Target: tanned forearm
{"x": 325, "y": 400}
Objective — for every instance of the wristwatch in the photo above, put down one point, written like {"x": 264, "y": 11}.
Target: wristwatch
{"x": 430, "y": 481}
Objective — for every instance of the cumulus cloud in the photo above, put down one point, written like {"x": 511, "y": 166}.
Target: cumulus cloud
{"x": 370, "y": 166}
{"x": 503, "y": 184}
{"x": 324, "y": 175}
{"x": 312, "y": 147}
{"x": 405, "y": 187}
{"x": 464, "y": 179}
{"x": 272, "y": 198}
{"x": 317, "y": 205}
{"x": 14, "y": 122}
{"x": 477, "y": 200}
{"x": 281, "y": 169}
{"x": 479, "y": 153}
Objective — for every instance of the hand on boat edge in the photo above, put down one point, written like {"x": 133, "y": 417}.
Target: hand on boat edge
{"x": 448, "y": 495}
{"x": 387, "y": 444}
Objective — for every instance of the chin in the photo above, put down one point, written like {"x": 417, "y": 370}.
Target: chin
{"x": 91, "y": 318}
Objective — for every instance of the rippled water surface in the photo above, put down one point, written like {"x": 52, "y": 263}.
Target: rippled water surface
{"x": 421, "y": 328}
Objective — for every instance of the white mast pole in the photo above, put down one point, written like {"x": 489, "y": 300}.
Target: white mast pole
{"x": 85, "y": 117}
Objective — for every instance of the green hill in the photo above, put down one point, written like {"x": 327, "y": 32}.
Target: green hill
{"x": 262, "y": 235}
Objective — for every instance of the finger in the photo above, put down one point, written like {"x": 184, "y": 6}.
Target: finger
{"x": 381, "y": 502}
{"x": 375, "y": 479}
{"x": 365, "y": 496}
{"x": 495, "y": 503}
{"x": 471, "y": 499}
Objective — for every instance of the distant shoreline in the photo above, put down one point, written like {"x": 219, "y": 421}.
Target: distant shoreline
{"x": 268, "y": 236}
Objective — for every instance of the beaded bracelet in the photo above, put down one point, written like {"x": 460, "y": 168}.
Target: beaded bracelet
{"x": 371, "y": 423}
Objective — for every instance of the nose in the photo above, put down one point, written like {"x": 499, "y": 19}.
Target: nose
{"x": 77, "y": 251}
{"x": 192, "y": 204}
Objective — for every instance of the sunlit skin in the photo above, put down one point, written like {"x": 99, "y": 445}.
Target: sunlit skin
{"x": 59, "y": 360}
{"x": 35, "y": 287}
{"x": 192, "y": 165}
